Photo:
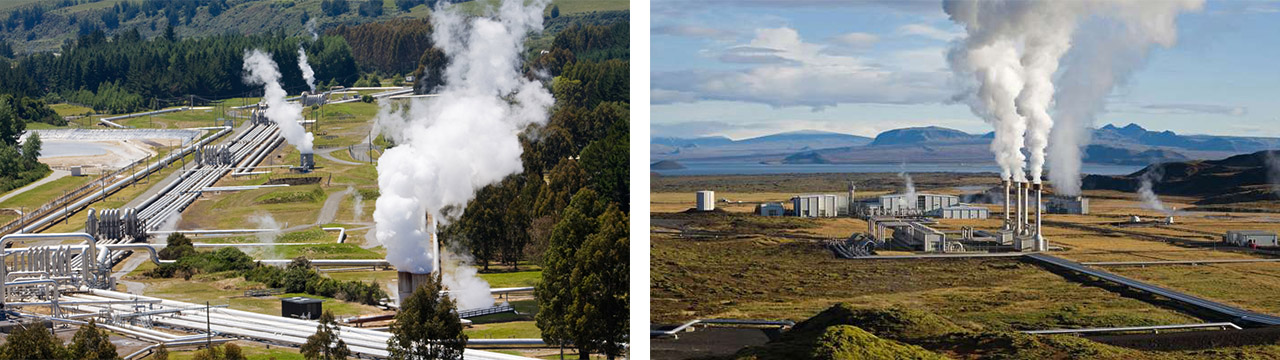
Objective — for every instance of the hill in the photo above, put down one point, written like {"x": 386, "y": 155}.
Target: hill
{"x": 40, "y": 26}
{"x": 923, "y": 135}
{"x": 1240, "y": 178}
{"x": 775, "y": 145}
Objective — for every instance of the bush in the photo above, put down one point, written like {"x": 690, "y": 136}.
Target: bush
{"x": 314, "y": 196}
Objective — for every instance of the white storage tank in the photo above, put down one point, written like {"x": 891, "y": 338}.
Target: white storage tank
{"x": 706, "y": 200}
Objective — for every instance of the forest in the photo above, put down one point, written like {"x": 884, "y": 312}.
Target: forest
{"x": 126, "y": 73}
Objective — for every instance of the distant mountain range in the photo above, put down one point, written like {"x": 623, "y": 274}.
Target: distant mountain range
{"x": 1128, "y": 145}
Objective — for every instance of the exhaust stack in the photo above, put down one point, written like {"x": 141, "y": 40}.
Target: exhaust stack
{"x": 1018, "y": 204}
{"x": 1007, "y": 225}
{"x": 1040, "y": 243}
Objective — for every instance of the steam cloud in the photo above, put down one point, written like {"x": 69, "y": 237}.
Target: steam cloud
{"x": 261, "y": 70}
{"x": 1145, "y": 192}
{"x": 463, "y": 139}
{"x": 307, "y": 73}
{"x": 910, "y": 187}
{"x": 264, "y": 220}
{"x": 311, "y": 28}
{"x": 1273, "y": 171}
{"x": 1014, "y": 48}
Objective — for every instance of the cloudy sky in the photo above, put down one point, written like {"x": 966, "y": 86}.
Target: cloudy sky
{"x": 756, "y": 67}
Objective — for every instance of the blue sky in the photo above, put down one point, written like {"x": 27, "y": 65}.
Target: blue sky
{"x": 750, "y": 68}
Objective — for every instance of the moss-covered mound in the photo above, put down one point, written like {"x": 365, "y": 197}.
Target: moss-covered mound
{"x": 895, "y": 323}
{"x": 838, "y": 342}
{"x": 846, "y": 332}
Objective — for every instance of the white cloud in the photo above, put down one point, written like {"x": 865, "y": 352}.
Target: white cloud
{"x": 927, "y": 31}
{"x": 792, "y": 72}
{"x": 694, "y": 31}
{"x": 1184, "y": 108}
{"x": 856, "y": 39}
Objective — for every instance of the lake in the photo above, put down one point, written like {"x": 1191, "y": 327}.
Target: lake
{"x": 748, "y": 168}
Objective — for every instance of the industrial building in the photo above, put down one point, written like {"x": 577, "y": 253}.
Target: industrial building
{"x": 706, "y": 200}
{"x": 962, "y": 211}
{"x": 1074, "y": 205}
{"x": 815, "y": 205}
{"x": 1250, "y": 238}
{"x": 905, "y": 204}
{"x": 771, "y": 209}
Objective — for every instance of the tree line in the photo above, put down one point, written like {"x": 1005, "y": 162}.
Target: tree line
{"x": 389, "y": 47}
{"x": 567, "y": 211}
{"x": 124, "y": 72}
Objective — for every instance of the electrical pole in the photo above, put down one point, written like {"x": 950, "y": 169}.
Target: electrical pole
{"x": 208, "y": 328}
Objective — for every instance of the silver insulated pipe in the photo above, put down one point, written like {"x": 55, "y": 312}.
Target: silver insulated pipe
{"x": 1040, "y": 243}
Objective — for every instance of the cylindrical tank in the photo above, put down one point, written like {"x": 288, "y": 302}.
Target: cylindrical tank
{"x": 706, "y": 200}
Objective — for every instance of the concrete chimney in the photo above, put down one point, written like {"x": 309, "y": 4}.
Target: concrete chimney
{"x": 852, "y": 189}
{"x": 407, "y": 283}
{"x": 1007, "y": 225}
{"x": 1017, "y": 223}
{"x": 1040, "y": 243}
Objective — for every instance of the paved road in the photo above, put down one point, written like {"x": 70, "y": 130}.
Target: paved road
{"x": 57, "y": 174}
{"x": 326, "y": 153}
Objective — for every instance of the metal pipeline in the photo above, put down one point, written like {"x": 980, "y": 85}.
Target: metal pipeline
{"x": 53, "y": 288}
{"x": 114, "y": 186}
{"x": 87, "y": 270}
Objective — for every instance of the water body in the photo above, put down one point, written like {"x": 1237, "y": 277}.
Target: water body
{"x": 748, "y": 168}
{"x": 72, "y": 148}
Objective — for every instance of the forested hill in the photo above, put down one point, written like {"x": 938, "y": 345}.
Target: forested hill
{"x": 45, "y": 25}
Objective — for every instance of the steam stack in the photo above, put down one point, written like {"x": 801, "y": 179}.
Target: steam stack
{"x": 1040, "y": 243}
{"x": 1007, "y": 225}
{"x": 852, "y": 188}
{"x": 307, "y": 162}
{"x": 1017, "y": 223}
{"x": 407, "y": 282}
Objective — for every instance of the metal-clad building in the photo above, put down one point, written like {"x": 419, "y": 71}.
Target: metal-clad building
{"x": 706, "y": 200}
{"x": 815, "y": 205}
{"x": 919, "y": 236}
{"x": 907, "y": 205}
{"x": 1250, "y": 237}
{"x": 771, "y": 209}
{"x": 962, "y": 212}
{"x": 1077, "y": 205}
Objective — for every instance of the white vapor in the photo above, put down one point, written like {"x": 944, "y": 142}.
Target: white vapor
{"x": 1273, "y": 170}
{"x": 1014, "y": 48}
{"x": 307, "y": 73}
{"x": 451, "y": 145}
{"x": 264, "y": 220}
{"x": 469, "y": 290}
{"x": 311, "y": 28}
{"x": 1148, "y": 196}
{"x": 261, "y": 70}
{"x": 910, "y": 187}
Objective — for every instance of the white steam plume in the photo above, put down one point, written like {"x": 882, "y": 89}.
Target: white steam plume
{"x": 1149, "y": 198}
{"x": 357, "y": 213}
{"x": 469, "y": 290}
{"x": 992, "y": 59}
{"x": 465, "y": 138}
{"x": 1104, "y": 42}
{"x": 307, "y": 73}
{"x": 261, "y": 70}
{"x": 311, "y": 28}
{"x": 910, "y": 187}
{"x": 264, "y": 220}
{"x": 1273, "y": 171}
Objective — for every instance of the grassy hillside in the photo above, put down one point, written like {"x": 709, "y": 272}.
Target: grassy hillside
{"x": 242, "y": 16}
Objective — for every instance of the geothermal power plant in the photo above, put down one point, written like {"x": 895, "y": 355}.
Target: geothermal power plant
{"x": 66, "y": 279}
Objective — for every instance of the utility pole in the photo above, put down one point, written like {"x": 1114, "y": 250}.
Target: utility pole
{"x": 207, "y": 328}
